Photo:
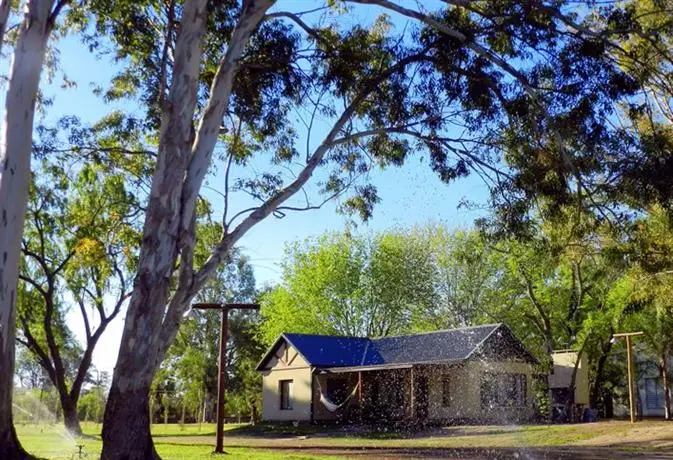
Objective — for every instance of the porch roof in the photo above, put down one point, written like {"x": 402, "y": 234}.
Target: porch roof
{"x": 381, "y": 367}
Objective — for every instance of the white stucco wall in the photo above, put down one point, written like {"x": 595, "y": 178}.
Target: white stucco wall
{"x": 286, "y": 364}
{"x": 564, "y": 365}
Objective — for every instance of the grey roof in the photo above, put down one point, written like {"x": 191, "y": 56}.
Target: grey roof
{"x": 429, "y": 347}
{"x": 447, "y": 345}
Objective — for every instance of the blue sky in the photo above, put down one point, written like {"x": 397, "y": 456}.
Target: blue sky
{"x": 410, "y": 195}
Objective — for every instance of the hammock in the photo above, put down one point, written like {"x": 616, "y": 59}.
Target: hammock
{"x": 330, "y": 405}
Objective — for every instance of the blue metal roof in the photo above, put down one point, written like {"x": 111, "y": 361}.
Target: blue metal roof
{"x": 440, "y": 346}
{"x": 328, "y": 350}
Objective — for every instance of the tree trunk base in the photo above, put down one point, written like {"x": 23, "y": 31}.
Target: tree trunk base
{"x": 126, "y": 426}
{"x": 10, "y": 448}
{"x": 72, "y": 424}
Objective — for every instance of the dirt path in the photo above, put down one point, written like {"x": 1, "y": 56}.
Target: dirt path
{"x": 476, "y": 453}
{"x": 614, "y": 440}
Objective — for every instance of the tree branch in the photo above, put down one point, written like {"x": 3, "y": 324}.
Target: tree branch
{"x": 228, "y": 240}
{"x": 217, "y": 105}
{"x": 297, "y": 20}
{"x": 33, "y": 283}
{"x": 85, "y": 318}
{"x": 168, "y": 35}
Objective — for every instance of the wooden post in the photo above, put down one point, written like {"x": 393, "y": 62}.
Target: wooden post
{"x": 411, "y": 398}
{"x": 629, "y": 365}
{"x": 360, "y": 408}
{"x": 221, "y": 381}
{"x": 222, "y": 362}
{"x": 629, "y": 357}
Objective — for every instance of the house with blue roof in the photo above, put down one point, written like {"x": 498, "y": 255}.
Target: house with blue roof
{"x": 472, "y": 374}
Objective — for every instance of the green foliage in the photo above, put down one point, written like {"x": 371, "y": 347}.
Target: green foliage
{"x": 80, "y": 246}
{"x": 91, "y": 404}
{"x": 339, "y": 284}
{"x": 611, "y": 170}
{"x": 189, "y": 372}
{"x": 409, "y": 87}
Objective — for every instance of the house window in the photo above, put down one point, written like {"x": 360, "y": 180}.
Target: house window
{"x": 654, "y": 393}
{"x": 446, "y": 391}
{"x": 503, "y": 390}
{"x": 285, "y": 394}
{"x": 489, "y": 391}
{"x": 509, "y": 390}
{"x": 522, "y": 390}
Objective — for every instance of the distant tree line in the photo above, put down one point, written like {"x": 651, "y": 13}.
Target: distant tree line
{"x": 570, "y": 284}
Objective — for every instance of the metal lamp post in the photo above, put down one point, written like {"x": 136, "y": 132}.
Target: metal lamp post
{"x": 222, "y": 362}
{"x": 629, "y": 359}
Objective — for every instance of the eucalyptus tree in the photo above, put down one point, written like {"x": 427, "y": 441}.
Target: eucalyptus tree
{"x": 36, "y": 24}
{"x": 230, "y": 76}
{"x": 613, "y": 168}
{"x": 78, "y": 248}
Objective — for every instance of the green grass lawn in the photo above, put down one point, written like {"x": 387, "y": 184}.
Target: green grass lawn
{"x": 311, "y": 442}
{"x": 52, "y": 442}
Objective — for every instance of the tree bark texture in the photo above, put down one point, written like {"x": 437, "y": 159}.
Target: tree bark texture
{"x": 15, "y": 151}
{"x": 158, "y": 303}
{"x": 182, "y": 162}
{"x": 70, "y": 418}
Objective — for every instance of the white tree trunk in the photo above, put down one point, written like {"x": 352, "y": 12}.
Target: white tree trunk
{"x": 15, "y": 151}
{"x": 5, "y": 6}
{"x": 182, "y": 163}
{"x": 126, "y": 427}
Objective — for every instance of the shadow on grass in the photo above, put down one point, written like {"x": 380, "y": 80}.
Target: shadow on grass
{"x": 381, "y": 431}
{"x": 187, "y": 434}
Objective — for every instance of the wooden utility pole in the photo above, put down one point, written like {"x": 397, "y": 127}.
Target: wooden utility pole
{"x": 629, "y": 359}
{"x": 222, "y": 362}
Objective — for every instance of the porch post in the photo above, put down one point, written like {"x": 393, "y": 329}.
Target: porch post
{"x": 412, "y": 395}
{"x": 313, "y": 377}
{"x": 360, "y": 408}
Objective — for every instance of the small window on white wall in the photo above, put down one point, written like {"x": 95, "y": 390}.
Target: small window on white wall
{"x": 285, "y": 391}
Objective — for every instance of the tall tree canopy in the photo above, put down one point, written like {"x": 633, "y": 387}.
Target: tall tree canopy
{"x": 221, "y": 82}
{"x": 457, "y": 84}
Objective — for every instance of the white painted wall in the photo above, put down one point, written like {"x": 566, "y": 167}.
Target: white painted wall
{"x": 286, "y": 364}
